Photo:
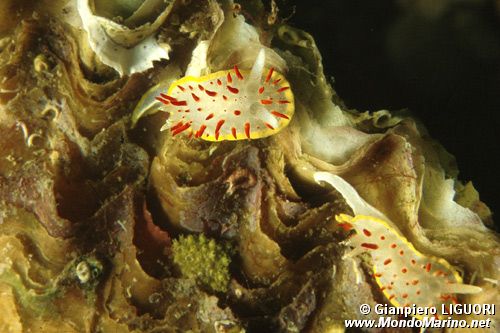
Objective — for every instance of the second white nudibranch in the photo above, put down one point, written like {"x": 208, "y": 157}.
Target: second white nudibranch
{"x": 230, "y": 105}
{"x": 403, "y": 274}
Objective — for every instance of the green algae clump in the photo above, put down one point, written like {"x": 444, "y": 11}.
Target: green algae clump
{"x": 203, "y": 260}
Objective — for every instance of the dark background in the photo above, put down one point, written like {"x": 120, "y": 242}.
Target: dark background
{"x": 440, "y": 59}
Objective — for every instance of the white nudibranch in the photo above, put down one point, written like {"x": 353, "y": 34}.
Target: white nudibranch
{"x": 230, "y": 105}
{"x": 403, "y": 274}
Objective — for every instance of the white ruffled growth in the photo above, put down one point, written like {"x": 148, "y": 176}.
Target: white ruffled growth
{"x": 125, "y": 60}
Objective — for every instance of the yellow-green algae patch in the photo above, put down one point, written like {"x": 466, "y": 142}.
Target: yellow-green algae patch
{"x": 204, "y": 260}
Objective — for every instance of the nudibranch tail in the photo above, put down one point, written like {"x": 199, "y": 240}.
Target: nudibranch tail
{"x": 460, "y": 288}
{"x": 230, "y": 105}
{"x": 351, "y": 196}
{"x": 255, "y": 75}
{"x": 404, "y": 275}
